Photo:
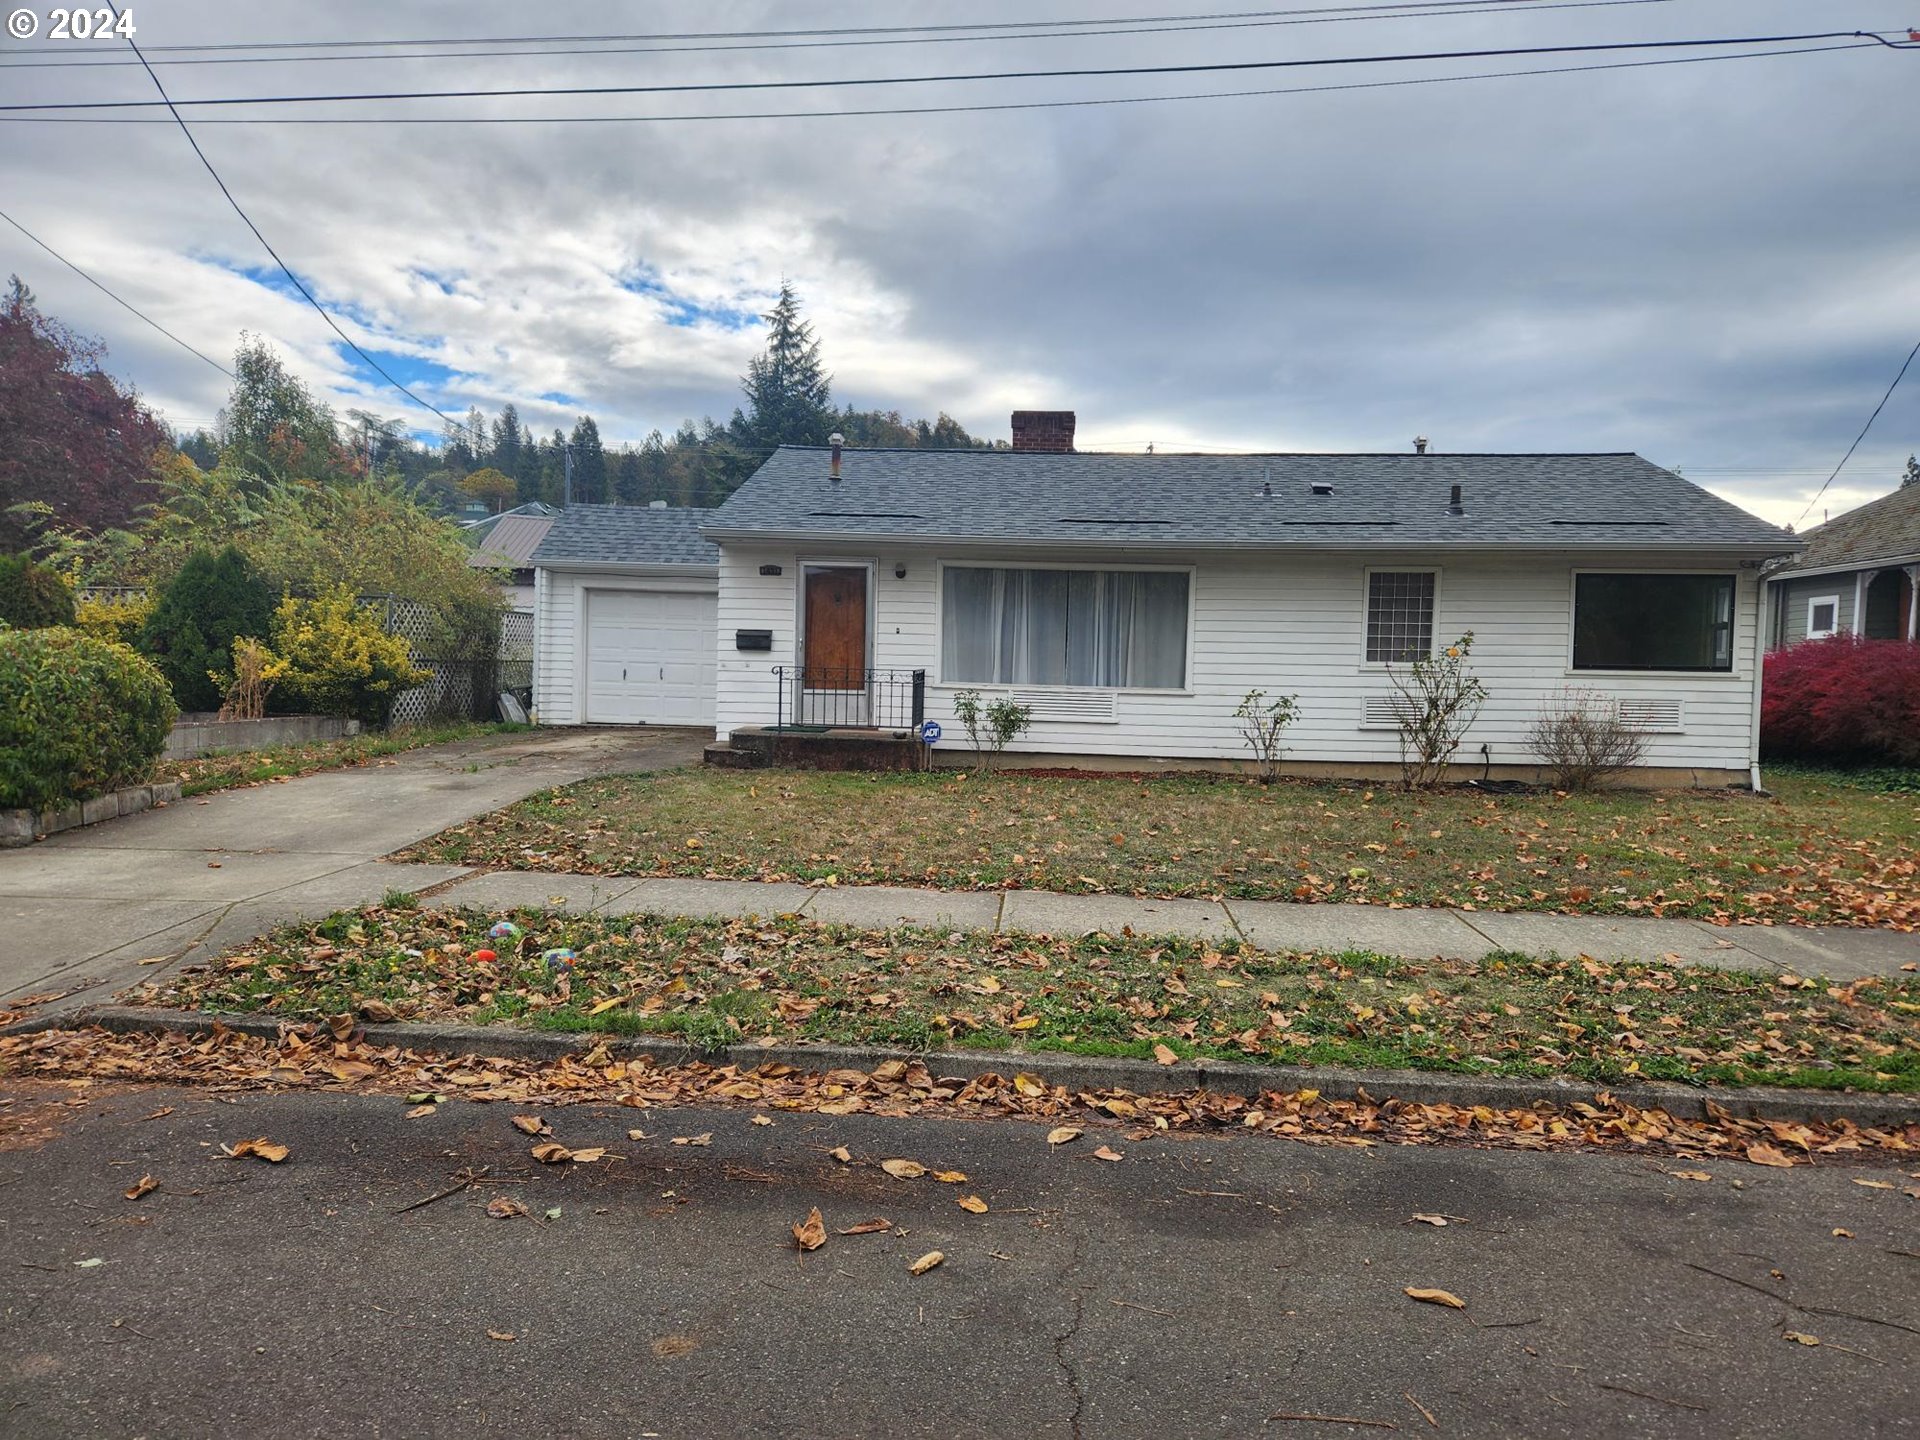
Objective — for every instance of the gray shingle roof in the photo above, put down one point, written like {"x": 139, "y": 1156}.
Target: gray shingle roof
{"x": 1881, "y": 531}
{"x": 1204, "y": 501}
{"x": 626, "y": 535}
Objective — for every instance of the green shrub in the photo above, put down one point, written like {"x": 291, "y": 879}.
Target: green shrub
{"x": 32, "y": 596}
{"x": 214, "y": 600}
{"x": 78, "y": 717}
{"x": 339, "y": 659}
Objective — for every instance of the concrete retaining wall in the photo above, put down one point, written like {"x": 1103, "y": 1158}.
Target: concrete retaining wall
{"x": 23, "y": 827}
{"x": 196, "y": 735}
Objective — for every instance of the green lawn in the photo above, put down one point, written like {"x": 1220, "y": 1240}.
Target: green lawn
{"x": 1820, "y": 851}
{"x": 715, "y": 982}
{"x": 253, "y": 767}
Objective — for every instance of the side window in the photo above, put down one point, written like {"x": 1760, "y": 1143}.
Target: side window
{"x": 1400, "y": 615}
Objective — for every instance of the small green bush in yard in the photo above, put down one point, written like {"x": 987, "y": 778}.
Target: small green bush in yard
{"x": 214, "y": 600}
{"x": 32, "y": 596}
{"x": 78, "y": 717}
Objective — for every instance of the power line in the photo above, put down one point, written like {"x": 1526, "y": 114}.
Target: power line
{"x": 1863, "y": 432}
{"x": 708, "y": 87}
{"x": 1201, "y": 23}
{"x": 1011, "y": 105}
{"x": 1411, "y": 6}
{"x": 123, "y": 304}
{"x": 320, "y": 309}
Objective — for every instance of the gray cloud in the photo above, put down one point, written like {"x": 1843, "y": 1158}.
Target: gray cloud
{"x": 1710, "y": 264}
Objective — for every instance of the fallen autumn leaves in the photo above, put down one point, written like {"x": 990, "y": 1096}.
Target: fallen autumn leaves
{"x": 718, "y": 982}
{"x": 1819, "y": 852}
{"x": 315, "y": 1058}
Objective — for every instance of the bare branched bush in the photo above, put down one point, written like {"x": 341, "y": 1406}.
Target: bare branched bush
{"x": 1436, "y": 699}
{"x": 1580, "y": 737}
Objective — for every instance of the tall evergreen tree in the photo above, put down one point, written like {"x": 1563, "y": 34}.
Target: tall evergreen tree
{"x": 509, "y": 443}
{"x": 589, "y": 463}
{"x": 789, "y": 399}
{"x": 627, "y": 479}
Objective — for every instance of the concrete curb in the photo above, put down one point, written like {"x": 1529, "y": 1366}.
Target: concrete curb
{"x": 1074, "y": 1072}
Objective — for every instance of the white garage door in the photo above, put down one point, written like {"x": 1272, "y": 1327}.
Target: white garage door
{"x": 650, "y": 657}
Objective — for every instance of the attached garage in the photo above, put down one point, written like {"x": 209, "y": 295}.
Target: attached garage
{"x": 625, "y": 616}
{"x": 649, "y": 657}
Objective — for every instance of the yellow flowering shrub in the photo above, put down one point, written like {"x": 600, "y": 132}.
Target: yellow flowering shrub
{"x": 116, "y": 618}
{"x": 338, "y": 658}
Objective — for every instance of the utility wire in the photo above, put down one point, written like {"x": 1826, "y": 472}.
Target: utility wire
{"x": 123, "y": 304}
{"x": 1412, "y": 7}
{"x": 1863, "y": 433}
{"x": 707, "y": 87}
{"x": 920, "y": 109}
{"x": 320, "y": 309}
{"x": 1201, "y": 23}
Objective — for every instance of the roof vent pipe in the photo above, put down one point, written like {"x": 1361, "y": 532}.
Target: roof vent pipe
{"x": 1266, "y": 483}
{"x": 836, "y": 440}
{"x": 1454, "y": 507}
{"x": 1419, "y": 444}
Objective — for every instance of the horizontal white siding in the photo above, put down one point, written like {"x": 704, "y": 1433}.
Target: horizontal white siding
{"x": 558, "y": 609}
{"x": 1288, "y": 624}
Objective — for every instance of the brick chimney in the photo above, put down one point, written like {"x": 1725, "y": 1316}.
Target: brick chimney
{"x": 1050, "y": 431}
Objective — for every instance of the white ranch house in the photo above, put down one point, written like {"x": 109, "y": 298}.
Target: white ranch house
{"x": 1131, "y": 601}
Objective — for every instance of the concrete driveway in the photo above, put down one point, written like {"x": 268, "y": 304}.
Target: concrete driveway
{"x": 85, "y": 908}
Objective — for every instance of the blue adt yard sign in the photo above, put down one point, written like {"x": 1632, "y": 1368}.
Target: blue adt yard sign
{"x": 929, "y": 731}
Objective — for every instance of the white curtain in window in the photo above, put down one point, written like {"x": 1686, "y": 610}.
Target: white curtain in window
{"x": 1107, "y": 628}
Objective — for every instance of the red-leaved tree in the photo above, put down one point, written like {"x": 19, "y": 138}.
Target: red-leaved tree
{"x": 1843, "y": 698}
{"x": 70, "y": 437}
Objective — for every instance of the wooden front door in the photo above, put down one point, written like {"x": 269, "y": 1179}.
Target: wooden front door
{"x": 836, "y": 627}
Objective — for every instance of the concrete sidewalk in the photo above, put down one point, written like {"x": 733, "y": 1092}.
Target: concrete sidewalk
{"x": 85, "y": 908}
{"x": 1843, "y": 954}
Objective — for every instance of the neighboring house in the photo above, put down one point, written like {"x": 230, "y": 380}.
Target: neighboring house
{"x": 512, "y": 547}
{"x": 507, "y": 544}
{"x": 624, "y": 618}
{"x": 1860, "y": 573}
{"x": 1131, "y": 601}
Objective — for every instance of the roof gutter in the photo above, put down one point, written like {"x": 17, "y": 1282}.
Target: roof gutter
{"x": 1767, "y": 548}
{"x": 1871, "y": 562}
{"x": 625, "y": 567}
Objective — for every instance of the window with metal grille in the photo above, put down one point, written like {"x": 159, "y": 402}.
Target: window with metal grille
{"x": 1399, "y": 615}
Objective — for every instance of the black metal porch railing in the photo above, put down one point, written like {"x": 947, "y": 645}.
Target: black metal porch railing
{"x": 815, "y": 697}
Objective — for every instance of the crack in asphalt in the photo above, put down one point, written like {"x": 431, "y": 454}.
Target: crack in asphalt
{"x": 1068, "y": 1370}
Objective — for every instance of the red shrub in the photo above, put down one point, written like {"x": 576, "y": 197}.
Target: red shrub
{"x": 1843, "y": 699}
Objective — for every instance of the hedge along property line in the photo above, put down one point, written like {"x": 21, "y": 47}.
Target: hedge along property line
{"x": 79, "y": 718}
{"x": 23, "y": 827}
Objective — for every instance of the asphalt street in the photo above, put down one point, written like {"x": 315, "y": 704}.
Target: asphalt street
{"x": 1196, "y": 1286}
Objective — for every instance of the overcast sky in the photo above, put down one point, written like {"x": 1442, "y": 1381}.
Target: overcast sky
{"x": 1710, "y": 264}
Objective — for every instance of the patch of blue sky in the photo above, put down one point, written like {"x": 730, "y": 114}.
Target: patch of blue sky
{"x": 413, "y": 371}
{"x": 446, "y": 283}
{"x": 677, "y": 309}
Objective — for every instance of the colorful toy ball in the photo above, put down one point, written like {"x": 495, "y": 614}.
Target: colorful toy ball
{"x": 503, "y": 930}
{"x": 559, "y": 961}
{"x": 484, "y": 955}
